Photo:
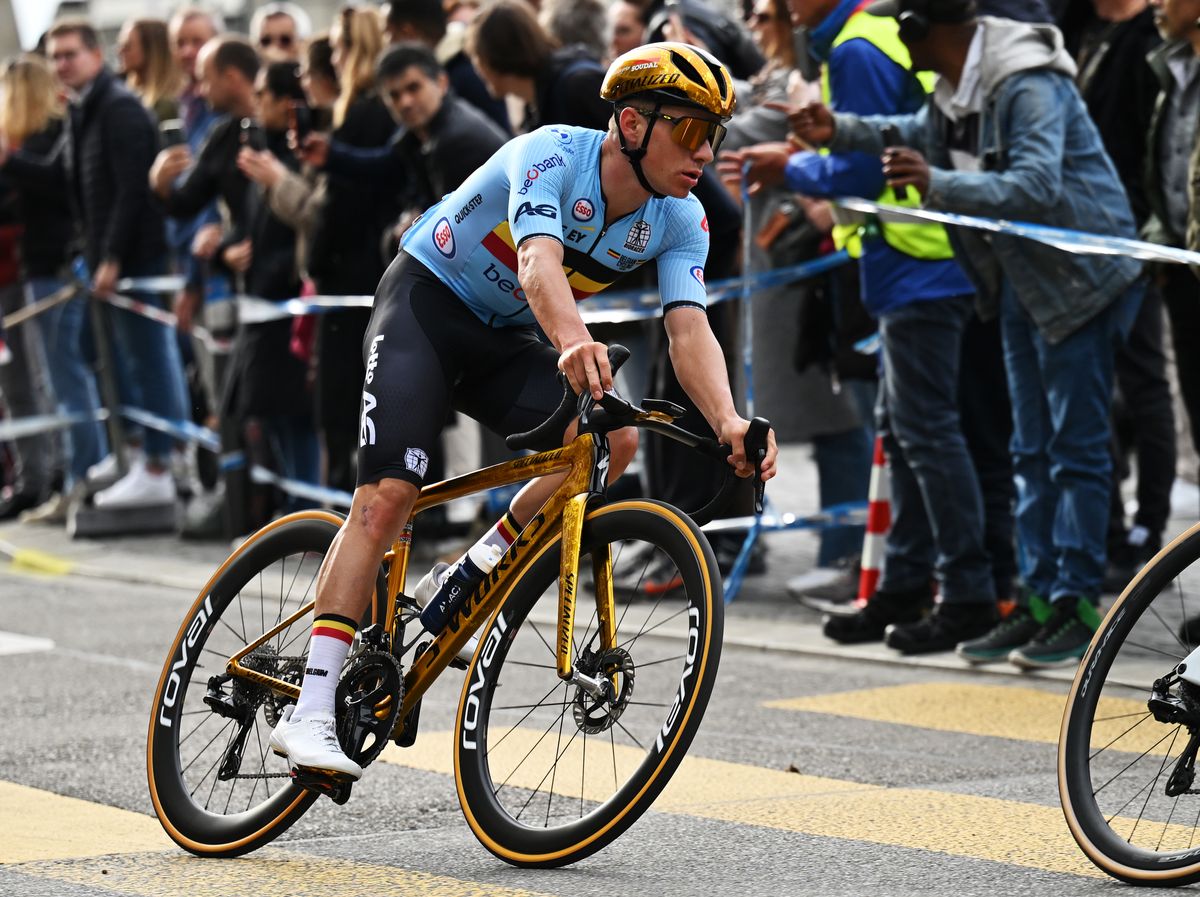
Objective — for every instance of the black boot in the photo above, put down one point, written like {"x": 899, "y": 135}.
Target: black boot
{"x": 948, "y": 625}
{"x": 884, "y": 609}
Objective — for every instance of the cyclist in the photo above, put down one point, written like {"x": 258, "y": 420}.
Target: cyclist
{"x": 556, "y": 215}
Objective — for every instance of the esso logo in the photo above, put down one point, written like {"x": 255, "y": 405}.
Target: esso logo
{"x": 698, "y": 273}
{"x": 443, "y": 238}
{"x": 583, "y": 210}
{"x": 704, "y": 224}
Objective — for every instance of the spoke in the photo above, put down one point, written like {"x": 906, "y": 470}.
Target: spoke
{"x": 630, "y": 734}
{"x": 1136, "y": 759}
{"x": 1170, "y": 631}
{"x": 1182, "y": 611}
{"x": 194, "y": 728}
{"x": 612, "y": 741}
{"x": 1150, "y": 790}
{"x": 1167, "y": 824}
{"x": 1153, "y": 650}
{"x": 557, "y": 749}
{"x": 549, "y": 647}
{"x": 526, "y": 663}
{"x": 538, "y": 789}
{"x": 222, "y": 621}
{"x": 491, "y": 746}
{"x": 1104, "y": 719}
{"x": 220, "y": 732}
{"x": 529, "y": 753}
{"x": 583, "y": 776}
{"x": 649, "y": 663}
{"x": 262, "y": 767}
{"x": 629, "y": 644}
{"x": 1119, "y": 737}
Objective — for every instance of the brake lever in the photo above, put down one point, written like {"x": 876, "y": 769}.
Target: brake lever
{"x": 755, "y": 444}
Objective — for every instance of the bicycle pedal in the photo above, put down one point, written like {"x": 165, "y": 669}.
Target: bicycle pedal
{"x": 334, "y": 785}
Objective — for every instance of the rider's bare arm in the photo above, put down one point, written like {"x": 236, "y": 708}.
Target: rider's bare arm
{"x": 540, "y": 271}
{"x": 700, "y": 366}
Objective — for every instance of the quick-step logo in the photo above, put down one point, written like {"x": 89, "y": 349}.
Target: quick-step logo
{"x": 174, "y": 682}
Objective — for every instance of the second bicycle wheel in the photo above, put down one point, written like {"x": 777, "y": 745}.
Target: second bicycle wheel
{"x": 1131, "y": 731}
{"x": 217, "y": 788}
{"x": 547, "y": 773}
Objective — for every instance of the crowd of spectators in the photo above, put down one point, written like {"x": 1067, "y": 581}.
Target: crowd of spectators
{"x": 287, "y": 161}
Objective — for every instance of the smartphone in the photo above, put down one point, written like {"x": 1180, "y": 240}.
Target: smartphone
{"x": 300, "y": 119}
{"x": 252, "y": 135}
{"x": 172, "y": 132}
{"x": 891, "y": 137}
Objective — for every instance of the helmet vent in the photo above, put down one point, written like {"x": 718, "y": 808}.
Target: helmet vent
{"x": 717, "y": 74}
{"x": 688, "y": 70}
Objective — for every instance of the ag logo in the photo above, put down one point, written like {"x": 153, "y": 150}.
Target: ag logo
{"x": 443, "y": 238}
{"x": 416, "y": 461}
{"x": 583, "y": 210}
{"x": 544, "y": 210}
{"x": 698, "y": 273}
{"x": 638, "y": 237}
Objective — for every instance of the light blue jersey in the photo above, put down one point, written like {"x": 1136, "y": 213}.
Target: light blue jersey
{"x": 547, "y": 183}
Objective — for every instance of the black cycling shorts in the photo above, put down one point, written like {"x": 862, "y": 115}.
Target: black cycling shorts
{"x": 427, "y": 353}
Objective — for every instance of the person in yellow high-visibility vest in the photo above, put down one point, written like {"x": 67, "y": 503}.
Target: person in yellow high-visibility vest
{"x": 924, "y": 303}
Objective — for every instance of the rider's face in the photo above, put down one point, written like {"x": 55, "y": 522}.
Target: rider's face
{"x": 673, "y": 168}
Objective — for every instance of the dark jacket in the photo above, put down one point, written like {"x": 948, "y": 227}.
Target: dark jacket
{"x": 568, "y": 91}
{"x": 1119, "y": 88}
{"x": 470, "y": 87}
{"x": 1157, "y": 229}
{"x": 265, "y": 378}
{"x": 461, "y": 138}
{"x": 343, "y": 256}
{"x": 44, "y": 210}
{"x": 726, "y": 38}
{"x": 105, "y": 155}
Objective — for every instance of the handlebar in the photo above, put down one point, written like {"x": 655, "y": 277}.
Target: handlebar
{"x": 612, "y": 412}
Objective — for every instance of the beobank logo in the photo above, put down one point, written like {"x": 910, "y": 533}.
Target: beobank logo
{"x": 443, "y": 238}
{"x": 538, "y": 169}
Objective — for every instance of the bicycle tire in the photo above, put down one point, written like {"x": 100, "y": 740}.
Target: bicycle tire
{"x": 305, "y": 537}
{"x": 684, "y": 681}
{"x": 1108, "y": 732}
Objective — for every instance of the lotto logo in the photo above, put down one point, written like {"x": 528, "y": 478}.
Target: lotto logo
{"x": 583, "y": 210}
{"x": 443, "y": 238}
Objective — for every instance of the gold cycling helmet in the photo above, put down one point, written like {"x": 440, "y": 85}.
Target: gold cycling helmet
{"x": 671, "y": 72}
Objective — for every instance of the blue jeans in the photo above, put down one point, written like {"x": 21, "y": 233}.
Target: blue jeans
{"x": 1061, "y": 398}
{"x": 150, "y": 373}
{"x": 937, "y": 508}
{"x": 293, "y": 442}
{"x": 74, "y": 382}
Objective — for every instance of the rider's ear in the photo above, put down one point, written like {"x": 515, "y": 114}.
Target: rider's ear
{"x": 630, "y": 123}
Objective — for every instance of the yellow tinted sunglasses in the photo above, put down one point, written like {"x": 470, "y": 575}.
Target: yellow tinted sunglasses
{"x": 690, "y": 132}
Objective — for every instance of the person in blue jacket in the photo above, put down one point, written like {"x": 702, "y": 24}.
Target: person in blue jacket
{"x": 924, "y": 302}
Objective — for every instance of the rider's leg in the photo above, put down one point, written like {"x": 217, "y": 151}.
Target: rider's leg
{"x": 345, "y": 583}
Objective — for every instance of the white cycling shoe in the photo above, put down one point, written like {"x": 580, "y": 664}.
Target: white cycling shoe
{"x": 429, "y": 586}
{"x": 312, "y": 744}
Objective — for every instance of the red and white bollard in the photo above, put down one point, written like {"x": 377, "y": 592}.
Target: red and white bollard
{"x": 879, "y": 521}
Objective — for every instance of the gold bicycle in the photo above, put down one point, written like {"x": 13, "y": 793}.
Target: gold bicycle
{"x": 561, "y": 741}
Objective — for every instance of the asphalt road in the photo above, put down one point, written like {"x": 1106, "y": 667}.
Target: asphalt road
{"x": 810, "y": 775}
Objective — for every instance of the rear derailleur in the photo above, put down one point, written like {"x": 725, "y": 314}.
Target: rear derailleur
{"x": 1179, "y": 708}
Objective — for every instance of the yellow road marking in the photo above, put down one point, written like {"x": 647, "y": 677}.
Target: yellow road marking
{"x": 269, "y": 871}
{"x": 41, "y": 825}
{"x": 998, "y": 711}
{"x": 984, "y": 828}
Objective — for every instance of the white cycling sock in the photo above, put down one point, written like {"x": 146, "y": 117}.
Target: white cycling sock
{"x": 331, "y": 639}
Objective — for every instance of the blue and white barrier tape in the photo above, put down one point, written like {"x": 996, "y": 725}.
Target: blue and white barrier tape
{"x": 183, "y": 430}
{"x": 35, "y": 425}
{"x": 1075, "y": 241}
{"x": 320, "y": 494}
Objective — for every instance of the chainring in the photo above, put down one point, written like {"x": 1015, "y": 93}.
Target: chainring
{"x": 369, "y": 695}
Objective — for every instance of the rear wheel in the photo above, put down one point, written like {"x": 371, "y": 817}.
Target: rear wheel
{"x": 216, "y": 786}
{"x": 549, "y": 772}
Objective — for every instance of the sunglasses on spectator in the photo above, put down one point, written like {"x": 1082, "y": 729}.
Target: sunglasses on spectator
{"x": 690, "y": 132}
{"x": 284, "y": 40}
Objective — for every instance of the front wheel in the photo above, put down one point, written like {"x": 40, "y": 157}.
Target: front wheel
{"x": 1131, "y": 731}
{"x": 547, "y": 773}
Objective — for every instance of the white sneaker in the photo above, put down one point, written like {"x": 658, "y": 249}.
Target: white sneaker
{"x": 312, "y": 744}
{"x": 107, "y": 469}
{"x": 429, "y": 585}
{"x": 137, "y": 488}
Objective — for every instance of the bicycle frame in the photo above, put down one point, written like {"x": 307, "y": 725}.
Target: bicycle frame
{"x": 585, "y": 459}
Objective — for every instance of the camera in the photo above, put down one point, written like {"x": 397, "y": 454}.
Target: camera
{"x": 172, "y": 132}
